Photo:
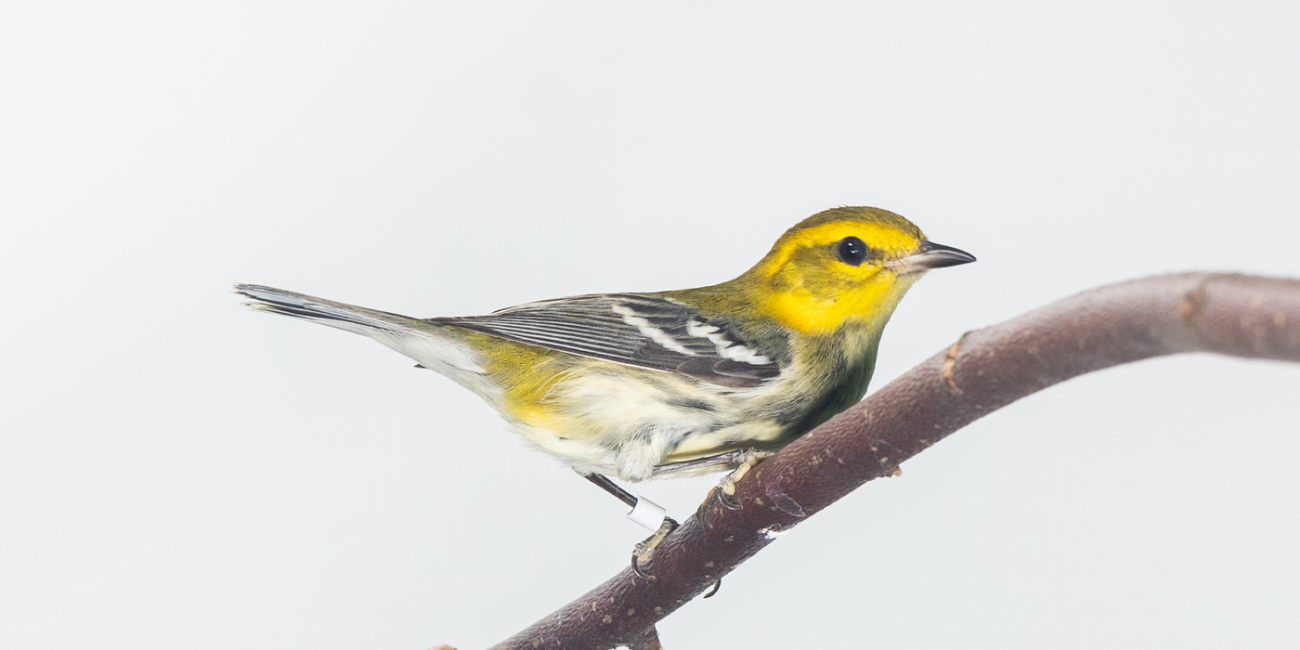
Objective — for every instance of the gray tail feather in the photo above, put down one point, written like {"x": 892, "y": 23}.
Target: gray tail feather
{"x": 426, "y": 342}
{"x": 351, "y": 318}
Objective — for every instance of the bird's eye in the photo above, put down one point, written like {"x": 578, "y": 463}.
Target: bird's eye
{"x": 852, "y": 251}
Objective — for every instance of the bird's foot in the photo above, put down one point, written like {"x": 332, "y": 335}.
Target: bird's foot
{"x": 727, "y": 487}
{"x": 644, "y": 550}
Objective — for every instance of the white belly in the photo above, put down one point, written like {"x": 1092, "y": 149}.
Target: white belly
{"x": 625, "y": 423}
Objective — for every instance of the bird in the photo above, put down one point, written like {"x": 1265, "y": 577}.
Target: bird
{"x": 661, "y": 384}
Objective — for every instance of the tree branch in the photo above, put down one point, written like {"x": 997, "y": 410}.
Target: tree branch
{"x": 983, "y": 371}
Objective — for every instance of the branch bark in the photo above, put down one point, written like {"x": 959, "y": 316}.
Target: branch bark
{"x": 983, "y": 371}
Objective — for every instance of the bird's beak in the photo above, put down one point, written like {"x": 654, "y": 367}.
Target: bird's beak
{"x": 930, "y": 256}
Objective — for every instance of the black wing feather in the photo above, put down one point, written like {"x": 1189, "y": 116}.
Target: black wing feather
{"x": 642, "y": 330}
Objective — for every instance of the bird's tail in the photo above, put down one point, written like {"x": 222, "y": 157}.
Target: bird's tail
{"x": 426, "y": 342}
{"x": 351, "y": 318}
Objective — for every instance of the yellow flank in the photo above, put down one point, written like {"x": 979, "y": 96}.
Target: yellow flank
{"x": 529, "y": 376}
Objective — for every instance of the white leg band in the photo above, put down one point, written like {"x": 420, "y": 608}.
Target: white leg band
{"x": 647, "y": 514}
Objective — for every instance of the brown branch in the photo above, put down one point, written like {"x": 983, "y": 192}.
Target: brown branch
{"x": 983, "y": 371}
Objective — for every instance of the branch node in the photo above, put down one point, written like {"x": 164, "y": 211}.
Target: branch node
{"x": 1192, "y": 306}
{"x": 647, "y": 640}
{"x": 950, "y": 365}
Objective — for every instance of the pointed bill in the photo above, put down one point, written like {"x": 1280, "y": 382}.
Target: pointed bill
{"x": 929, "y": 256}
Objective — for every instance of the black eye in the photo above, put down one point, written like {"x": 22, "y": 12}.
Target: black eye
{"x": 852, "y": 251}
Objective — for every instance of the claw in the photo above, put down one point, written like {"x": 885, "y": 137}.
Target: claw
{"x": 642, "y": 552}
{"x": 726, "y": 500}
{"x": 636, "y": 569}
{"x": 727, "y": 487}
{"x": 716, "y": 586}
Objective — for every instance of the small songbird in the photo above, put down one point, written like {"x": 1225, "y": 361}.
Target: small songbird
{"x": 645, "y": 385}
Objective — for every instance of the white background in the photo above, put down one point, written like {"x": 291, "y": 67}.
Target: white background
{"x": 177, "y": 472}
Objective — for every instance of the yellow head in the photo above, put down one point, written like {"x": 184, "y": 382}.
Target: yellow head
{"x": 843, "y": 266}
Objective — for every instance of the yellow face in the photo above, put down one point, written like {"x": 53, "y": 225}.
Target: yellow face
{"x": 820, "y": 276}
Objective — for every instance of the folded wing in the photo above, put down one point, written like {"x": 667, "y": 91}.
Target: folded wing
{"x": 642, "y": 330}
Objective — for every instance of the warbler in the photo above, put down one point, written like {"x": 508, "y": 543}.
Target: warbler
{"x": 642, "y": 385}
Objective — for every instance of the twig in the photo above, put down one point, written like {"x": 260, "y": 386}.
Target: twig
{"x": 983, "y": 371}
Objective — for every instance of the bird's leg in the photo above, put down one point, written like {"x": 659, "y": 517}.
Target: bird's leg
{"x": 708, "y": 463}
{"x": 727, "y": 487}
{"x": 743, "y": 460}
{"x": 644, "y": 512}
{"x": 612, "y": 488}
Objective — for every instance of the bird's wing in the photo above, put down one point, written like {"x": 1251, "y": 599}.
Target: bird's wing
{"x": 643, "y": 330}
